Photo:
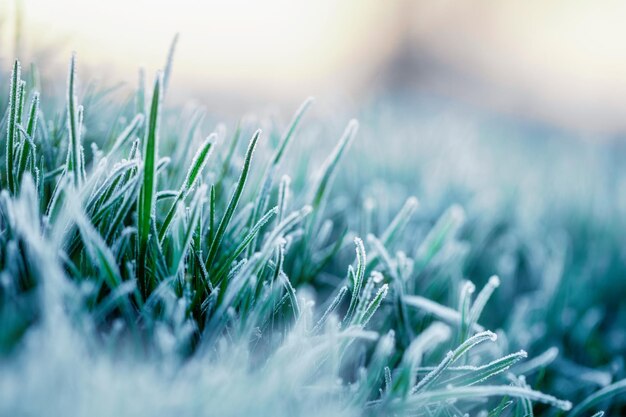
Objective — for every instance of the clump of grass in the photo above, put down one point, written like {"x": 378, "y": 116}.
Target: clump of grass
{"x": 110, "y": 259}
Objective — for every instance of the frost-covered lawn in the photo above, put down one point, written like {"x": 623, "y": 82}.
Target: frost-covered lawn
{"x": 155, "y": 263}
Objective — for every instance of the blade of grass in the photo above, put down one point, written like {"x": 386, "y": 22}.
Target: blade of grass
{"x": 331, "y": 308}
{"x": 268, "y": 177}
{"x": 147, "y": 194}
{"x": 443, "y": 313}
{"x": 357, "y": 282}
{"x": 12, "y": 122}
{"x": 169, "y": 63}
{"x": 197, "y": 165}
{"x": 481, "y": 299}
{"x": 196, "y": 204}
{"x": 246, "y": 241}
{"x": 452, "y": 357}
{"x": 73, "y": 163}
{"x": 597, "y": 397}
{"x": 232, "y": 204}
{"x": 400, "y": 221}
{"x": 127, "y": 133}
{"x": 461, "y": 393}
{"x": 373, "y": 305}
{"x": 482, "y": 373}
{"x": 28, "y": 150}
{"x": 329, "y": 166}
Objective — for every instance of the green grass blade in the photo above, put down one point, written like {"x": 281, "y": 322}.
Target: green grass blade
{"x": 444, "y": 229}
{"x": 441, "y": 312}
{"x": 123, "y": 210}
{"x": 482, "y": 373}
{"x": 329, "y": 166}
{"x": 617, "y": 388}
{"x": 484, "y": 391}
{"x": 497, "y": 412}
{"x": 400, "y": 221}
{"x": 481, "y": 299}
{"x": 104, "y": 206}
{"x": 373, "y": 305}
{"x": 211, "y": 231}
{"x": 12, "y": 122}
{"x": 98, "y": 251}
{"x": 232, "y": 204}
{"x": 357, "y": 282}
{"x": 283, "y": 196}
{"x": 197, "y": 165}
{"x": 452, "y": 357}
{"x": 169, "y": 63}
{"x": 268, "y": 177}
{"x": 331, "y": 308}
{"x": 246, "y": 241}
{"x": 229, "y": 155}
{"x": 28, "y": 150}
{"x": 127, "y": 133}
{"x": 196, "y": 205}
{"x": 293, "y": 126}
{"x": 539, "y": 362}
{"x": 471, "y": 343}
{"x": 291, "y": 292}
{"x": 145, "y": 210}
{"x": 20, "y": 104}
{"x": 74, "y": 159}
{"x": 465, "y": 300}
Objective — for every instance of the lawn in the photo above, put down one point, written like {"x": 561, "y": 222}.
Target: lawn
{"x": 156, "y": 262}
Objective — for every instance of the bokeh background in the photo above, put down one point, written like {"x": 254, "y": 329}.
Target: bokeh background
{"x": 555, "y": 62}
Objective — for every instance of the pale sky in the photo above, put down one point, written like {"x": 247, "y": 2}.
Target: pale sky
{"x": 560, "y": 61}
{"x": 276, "y": 47}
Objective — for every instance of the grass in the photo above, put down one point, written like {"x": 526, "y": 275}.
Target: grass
{"x": 210, "y": 282}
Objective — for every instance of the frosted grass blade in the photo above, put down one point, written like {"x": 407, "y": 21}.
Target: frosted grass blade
{"x": 232, "y": 204}
{"x": 74, "y": 160}
{"x": 193, "y": 174}
{"x": 147, "y": 194}
{"x": 12, "y": 122}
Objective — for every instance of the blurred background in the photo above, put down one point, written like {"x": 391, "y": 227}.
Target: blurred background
{"x": 559, "y": 63}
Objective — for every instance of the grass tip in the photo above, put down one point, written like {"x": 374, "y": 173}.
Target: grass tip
{"x": 494, "y": 281}
{"x": 492, "y": 336}
{"x": 412, "y": 202}
{"x": 353, "y": 126}
{"x": 457, "y": 213}
{"x": 469, "y": 287}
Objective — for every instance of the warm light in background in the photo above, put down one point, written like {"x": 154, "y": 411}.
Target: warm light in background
{"x": 277, "y": 48}
{"x": 555, "y": 60}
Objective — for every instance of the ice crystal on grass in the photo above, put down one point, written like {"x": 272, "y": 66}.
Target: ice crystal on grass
{"x": 139, "y": 281}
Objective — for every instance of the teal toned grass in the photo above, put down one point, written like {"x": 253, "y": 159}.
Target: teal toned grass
{"x": 12, "y": 122}
{"x": 145, "y": 277}
{"x": 195, "y": 169}
{"x": 147, "y": 195}
{"x": 74, "y": 153}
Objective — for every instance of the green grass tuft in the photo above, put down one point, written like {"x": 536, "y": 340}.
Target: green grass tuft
{"x": 162, "y": 272}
